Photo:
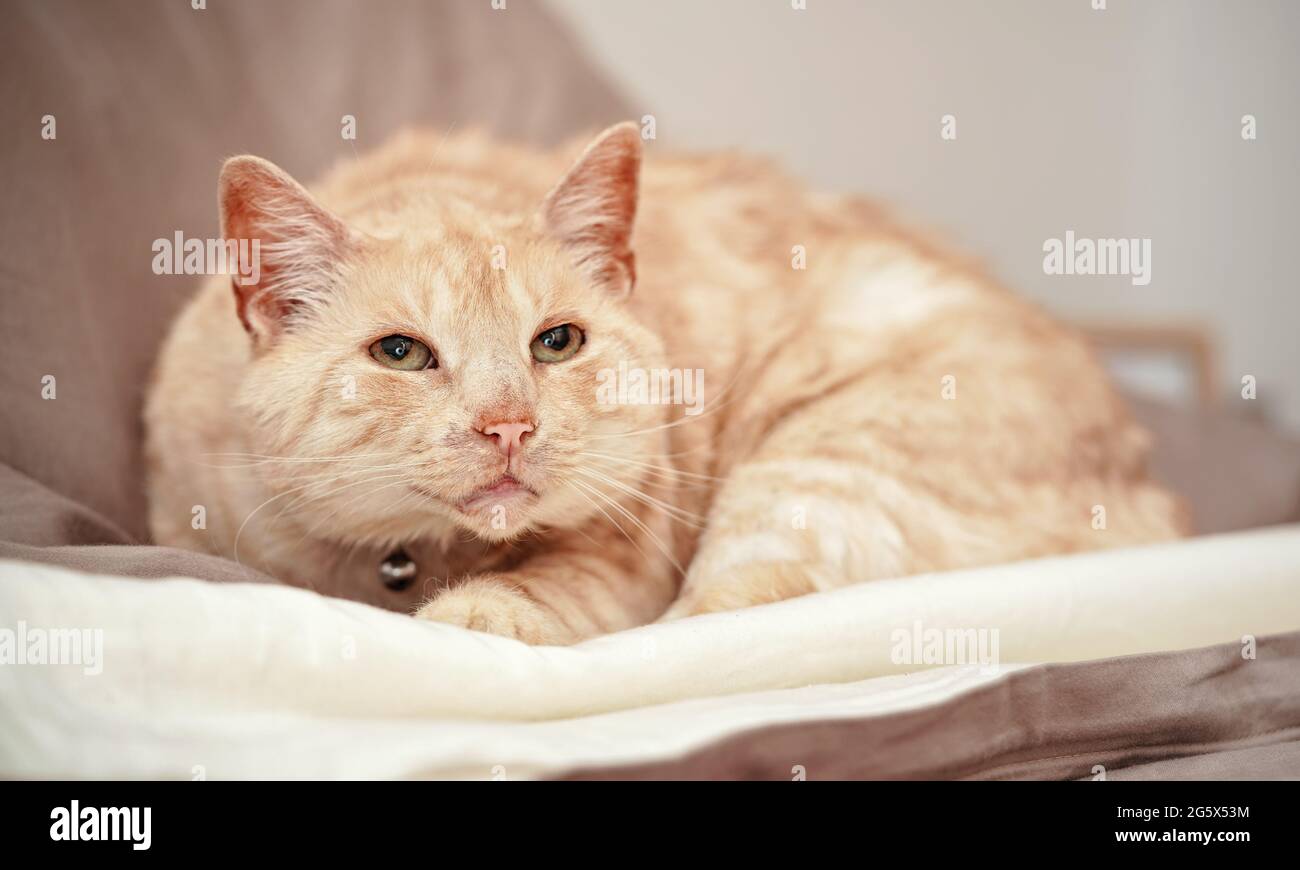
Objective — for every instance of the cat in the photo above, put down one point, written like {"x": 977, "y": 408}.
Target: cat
{"x": 420, "y": 374}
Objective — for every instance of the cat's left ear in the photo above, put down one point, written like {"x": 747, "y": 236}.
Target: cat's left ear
{"x": 593, "y": 207}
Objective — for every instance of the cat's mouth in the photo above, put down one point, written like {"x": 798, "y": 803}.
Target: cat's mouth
{"x": 505, "y": 491}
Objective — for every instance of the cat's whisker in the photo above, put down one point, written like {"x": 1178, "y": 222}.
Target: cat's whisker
{"x": 635, "y": 520}
{"x": 304, "y": 501}
{"x": 263, "y": 458}
{"x": 665, "y": 469}
{"x": 672, "y": 511}
{"x": 350, "y": 502}
{"x": 671, "y": 424}
{"x": 332, "y": 474}
{"x": 656, "y": 454}
{"x": 649, "y": 477}
{"x": 710, "y": 409}
{"x": 575, "y": 484}
{"x": 650, "y": 473}
{"x": 305, "y": 472}
{"x": 433, "y": 160}
{"x": 240, "y": 531}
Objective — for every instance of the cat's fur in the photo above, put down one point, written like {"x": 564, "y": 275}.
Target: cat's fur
{"x": 884, "y": 411}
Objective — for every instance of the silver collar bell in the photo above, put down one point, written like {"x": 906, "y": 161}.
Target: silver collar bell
{"x": 397, "y": 571}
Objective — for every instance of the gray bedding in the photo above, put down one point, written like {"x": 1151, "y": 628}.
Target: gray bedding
{"x": 1195, "y": 714}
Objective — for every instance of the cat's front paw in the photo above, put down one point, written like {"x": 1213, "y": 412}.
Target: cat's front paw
{"x": 496, "y": 606}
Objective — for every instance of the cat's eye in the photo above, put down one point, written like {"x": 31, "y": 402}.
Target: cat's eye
{"x": 557, "y": 343}
{"x": 403, "y": 352}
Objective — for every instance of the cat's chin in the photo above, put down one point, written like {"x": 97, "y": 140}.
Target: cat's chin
{"x": 486, "y": 528}
{"x": 499, "y": 511}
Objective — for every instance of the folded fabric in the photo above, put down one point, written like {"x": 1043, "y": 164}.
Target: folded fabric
{"x": 186, "y": 667}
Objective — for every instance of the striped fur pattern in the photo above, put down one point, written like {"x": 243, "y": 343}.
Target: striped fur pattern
{"x": 873, "y": 407}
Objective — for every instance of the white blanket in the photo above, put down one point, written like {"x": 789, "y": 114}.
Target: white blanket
{"x": 234, "y": 680}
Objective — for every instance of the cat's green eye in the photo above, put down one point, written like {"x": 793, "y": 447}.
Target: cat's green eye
{"x": 557, "y": 343}
{"x": 404, "y": 353}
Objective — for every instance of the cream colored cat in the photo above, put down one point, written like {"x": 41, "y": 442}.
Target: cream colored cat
{"x": 425, "y": 366}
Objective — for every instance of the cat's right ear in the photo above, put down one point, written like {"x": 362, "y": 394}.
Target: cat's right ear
{"x": 289, "y": 242}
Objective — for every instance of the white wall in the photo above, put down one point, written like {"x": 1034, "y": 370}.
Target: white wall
{"x": 1116, "y": 123}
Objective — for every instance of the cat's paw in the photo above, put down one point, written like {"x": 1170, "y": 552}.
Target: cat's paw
{"x": 496, "y": 607}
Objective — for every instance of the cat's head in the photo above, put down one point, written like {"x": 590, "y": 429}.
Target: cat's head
{"x": 428, "y": 368}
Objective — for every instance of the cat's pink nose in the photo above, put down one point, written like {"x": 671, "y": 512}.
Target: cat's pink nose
{"x": 510, "y": 436}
